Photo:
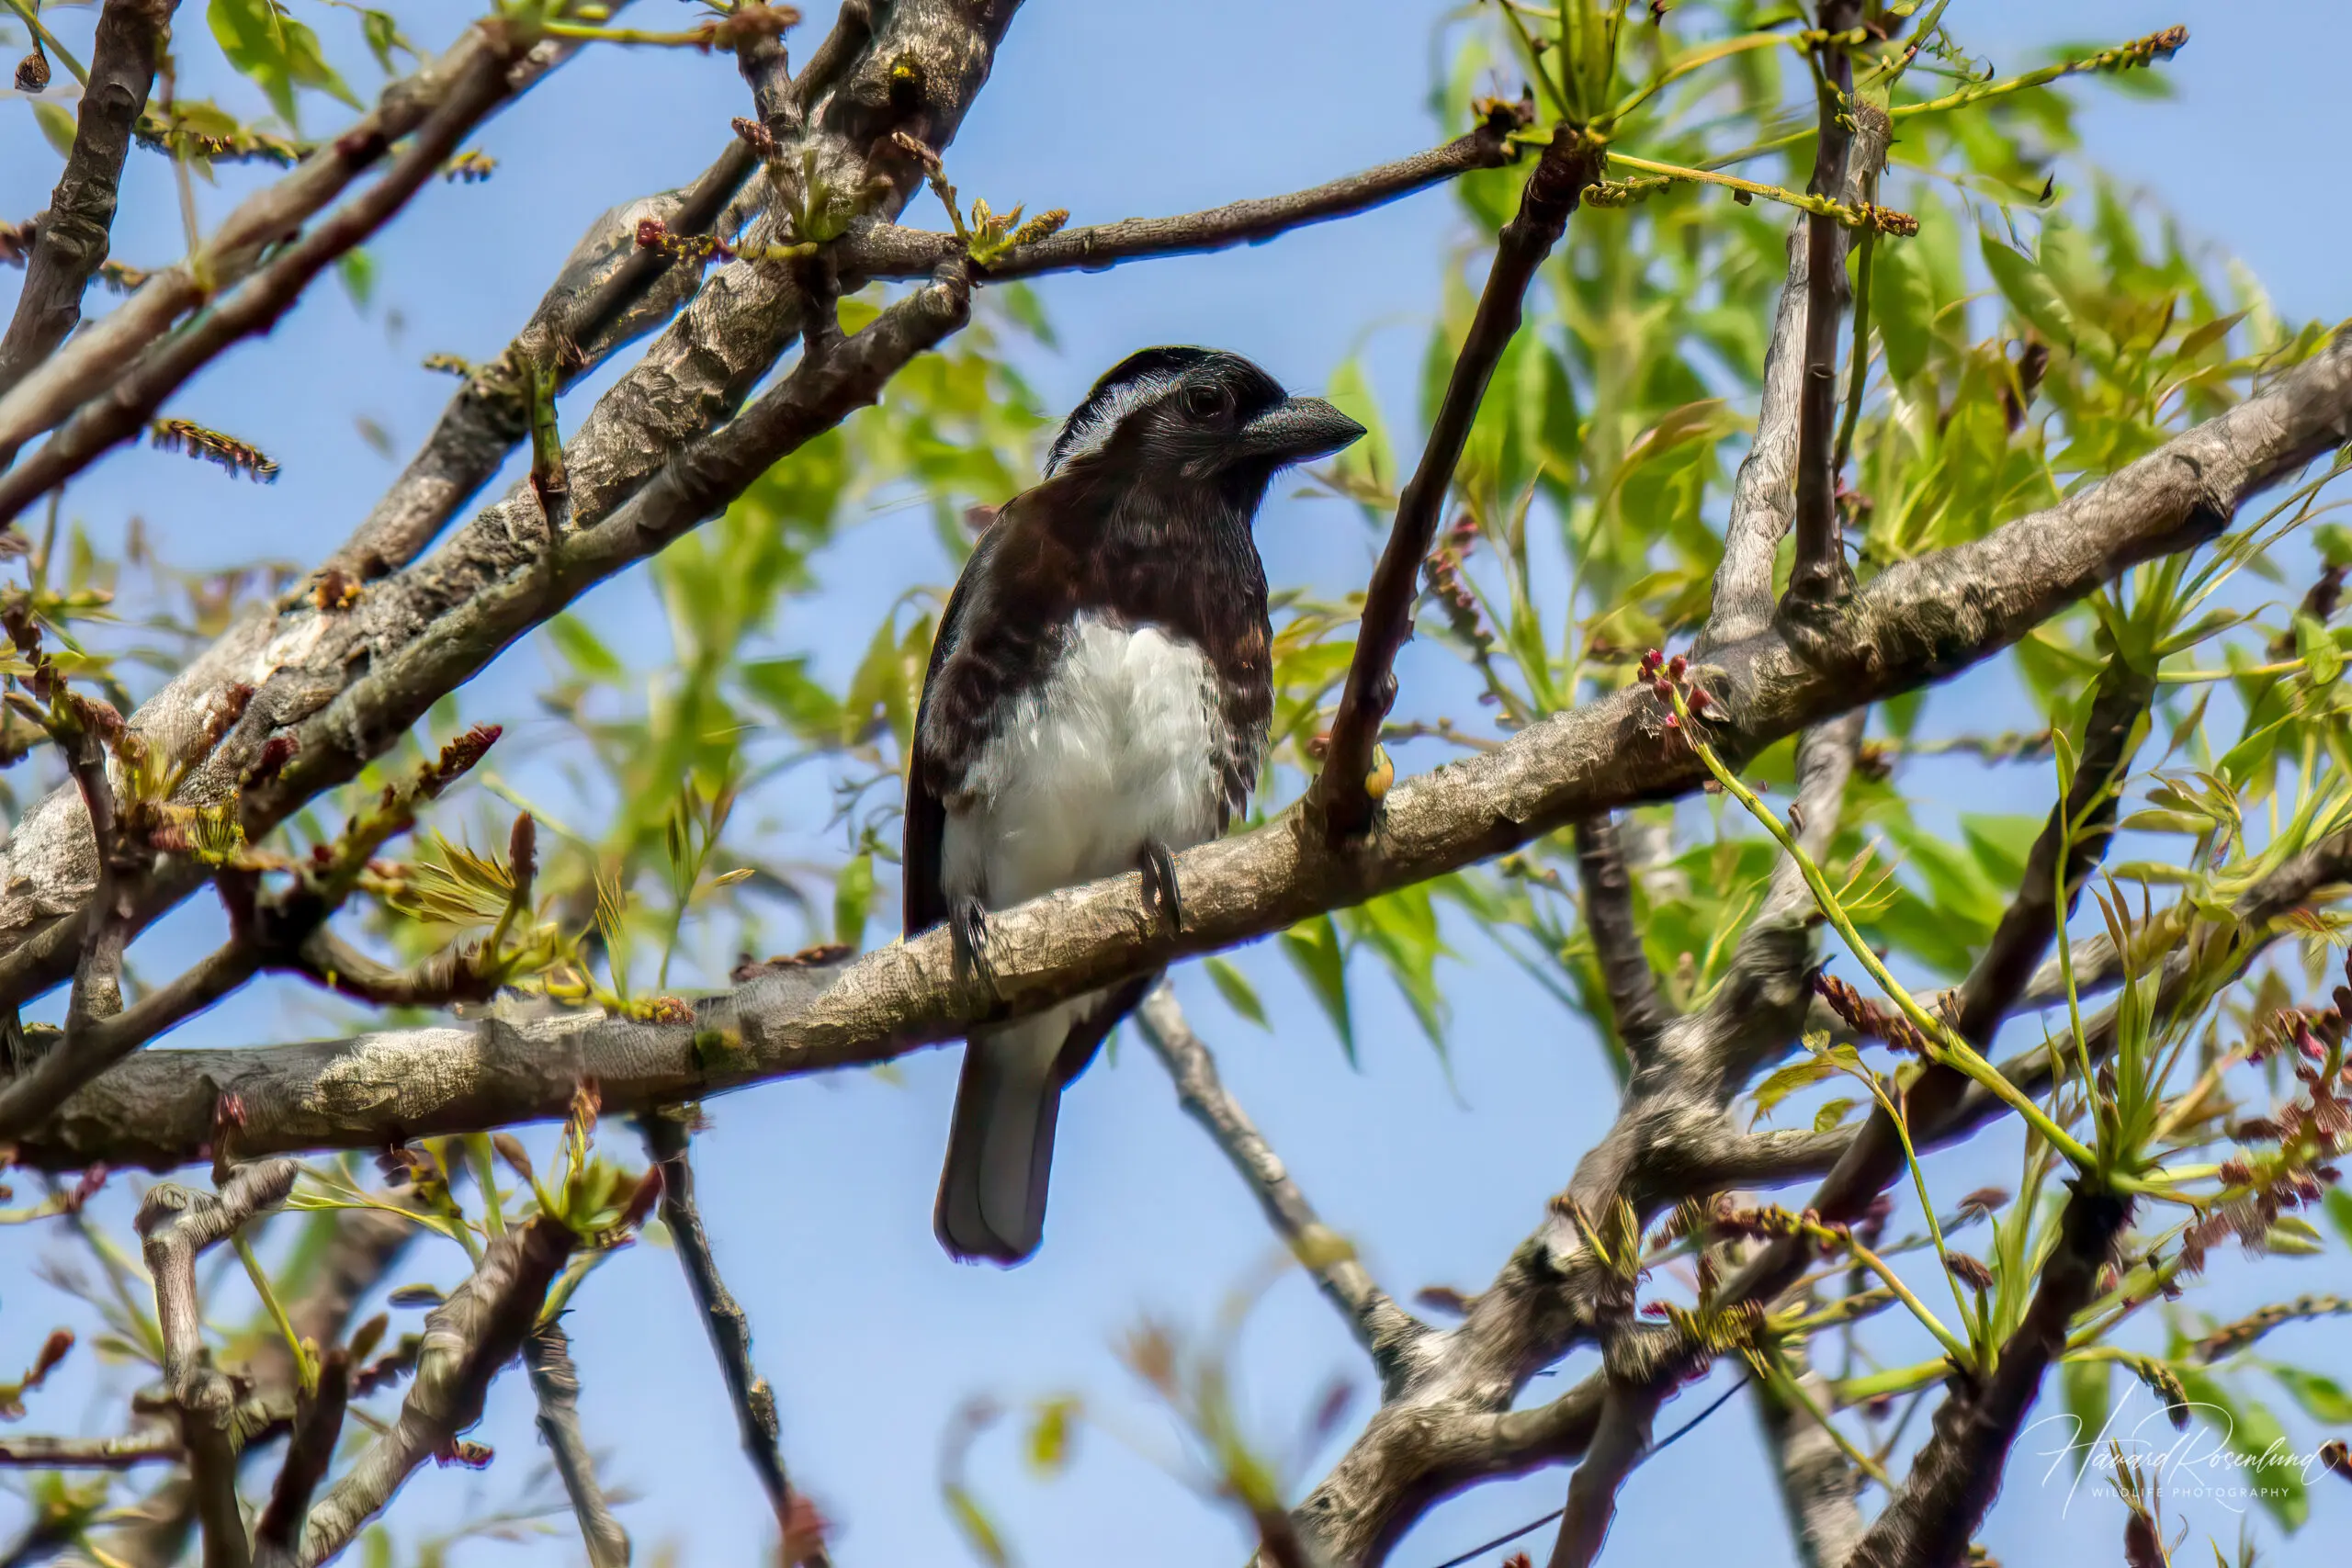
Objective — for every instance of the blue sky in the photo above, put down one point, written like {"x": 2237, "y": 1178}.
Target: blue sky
{"x": 819, "y": 1192}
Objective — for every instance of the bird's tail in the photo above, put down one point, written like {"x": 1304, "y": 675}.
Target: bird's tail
{"x": 1001, "y": 1142}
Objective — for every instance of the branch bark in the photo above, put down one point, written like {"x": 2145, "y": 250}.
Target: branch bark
{"x": 730, "y": 1337}
{"x": 1763, "y": 500}
{"x": 919, "y": 72}
{"x": 1638, "y": 1014}
{"x": 1820, "y": 575}
{"x": 83, "y": 367}
{"x": 881, "y": 250}
{"x": 555, "y": 1382}
{"x": 1569, "y": 163}
{"x": 70, "y": 238}
{"x": 140, "y": 389}
{"x": 176, "y": 1225}
{"x": 467, "y": 1339}
{"x": 1917, "y": 621}
{"x": 1385, "y": 1330}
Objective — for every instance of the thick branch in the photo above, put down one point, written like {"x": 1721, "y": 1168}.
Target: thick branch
{"x": 467, "y": 1339}
{"x": 1569, "y": 165}
{"x": 610, "y": 291}
{"x": 97, "y": 357}
{"x": 546, "y": 1355}
{"x": 730, "y": 1335}
{"x": 310, "y": 1453}
{"x": 36, "y": 1453}
{"x": 1916, "y": 622}
{"x": 1627, "y": 1414}
{"x": 1763, "y": 500}
{"x": 176, "y": 1225}
{"x": 72, "y": 237}
{"x": 884, "y": 251}
{"x": 919, "y": 72}
{"x": 1817, "y": 1483}
{"x": 131, "y": 401}
{"x": 1819, "y": 575}
{"x": 1636, "y": 1011}
{"x": 1380, "y": 1325}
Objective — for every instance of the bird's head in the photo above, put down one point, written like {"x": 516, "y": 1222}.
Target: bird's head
{"x": 1195, "y": 416}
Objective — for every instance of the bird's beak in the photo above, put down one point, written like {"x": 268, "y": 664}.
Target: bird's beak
{"x": 1298, "y": 430}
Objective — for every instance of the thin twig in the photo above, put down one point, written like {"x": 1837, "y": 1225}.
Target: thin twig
{"x": 546, "y": 1355}
{"x": 176, "y": 1225}
{"x": 1382, "y": 1326}
{"x": 1820, "y": 574}
{"x": 1340, "y": 794}
{"x": 143, "y": 385}
{"x": 467, "y": 1338}
{"x": 97, "y": 358}
{"x": 882, "y": 251}
{"x": 71, "y": 243}
{"x": 730, "y": 1340}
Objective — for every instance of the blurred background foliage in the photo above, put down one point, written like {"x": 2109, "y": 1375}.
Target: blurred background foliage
{"x": 732, "y": 789}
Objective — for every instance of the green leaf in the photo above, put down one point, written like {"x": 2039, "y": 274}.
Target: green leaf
{"x": 1314, "y": 949}
{"x": 383, "y": 34}
{"x": 853, "y": 897}
{"x": 2323, "y": 1398}
{"x": 1369, "y": 462}
{"x": 2086, "y": 1386}
{"x": 1788, "y": 1080}
{"x": 2323, "y": 661}
{"x": 581, "y": 650}
{"x": 276, "y": 52}
{"x": 785, "y": 686}
{"x": 356, "y": 268}
{"x": 2248, "y": 1429}
{"x": 1234, "y": 987}
{"x": 56, "y": 124}
{"x": 1049, "y": 1435}
{"x": 979, "y": 1532}
{"x": 2337, "y": 1206}
{"x": 1902, "y": 308}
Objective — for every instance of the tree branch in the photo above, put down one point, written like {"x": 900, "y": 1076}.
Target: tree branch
{"x": 140, "y": 388}
{"x": 1916, "y": 622}
{"x": 1820, "y": 575}
{"x": 546, "y": 1355}
{"x": 309, "y": 1455}
{"x": 148, "y": 1447}
{"x": 1569, "y": 165}
{"x": 1380, "y": 1325}
{"x": 881, "y": 250}
{"x": 84, "y": 367}
{"x": 176, "y": 1225}
{"x": 1817, "y": 1483}
{"x": 70, "y": 238}
{"x": 1956, "y": 1476}
{"x": 919, "y": 72}
{"x": 467, "y": 1339}
{"x": 611, "y": 291}
{"x": 730, "y": 1338}
{"x": 1763, "y": 504}
{"x": 1638, "y": 1014}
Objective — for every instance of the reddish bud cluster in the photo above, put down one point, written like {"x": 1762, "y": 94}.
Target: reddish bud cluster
{"x": 1970, "y": 1271}
{"x": 652, "y": 234}
{"x": 1443, "y": 575}
{"x": 745, "y": 24}
{"x": 1866, "y": 1018}
{"x": 1984, "y": 1203}
{"x": 467, "y": 1453}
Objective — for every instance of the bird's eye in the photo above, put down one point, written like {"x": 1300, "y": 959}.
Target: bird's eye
{"x": 1204, "y": 402}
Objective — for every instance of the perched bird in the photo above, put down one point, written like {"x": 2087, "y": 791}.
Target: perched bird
{"x": 1098, "y": 698}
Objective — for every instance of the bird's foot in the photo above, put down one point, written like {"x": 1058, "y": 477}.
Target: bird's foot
{"x": 968, "y": 927}
{"x": 1159, "y": 868}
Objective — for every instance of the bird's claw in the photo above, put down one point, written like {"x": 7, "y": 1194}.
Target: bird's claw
{"x": 968, "y": 927}
{"x": 1160, "y": 887}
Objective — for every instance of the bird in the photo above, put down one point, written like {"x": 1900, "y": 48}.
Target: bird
{"x": 1099, "y": 696}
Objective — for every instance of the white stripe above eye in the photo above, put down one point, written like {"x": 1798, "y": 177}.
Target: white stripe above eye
{"x": 1090, "y": 427}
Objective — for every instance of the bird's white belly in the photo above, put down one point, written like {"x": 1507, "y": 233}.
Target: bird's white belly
{"x": 1121, "y": 744}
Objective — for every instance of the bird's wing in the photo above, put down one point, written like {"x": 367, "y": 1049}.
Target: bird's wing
{"x": 931, "y": 768}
